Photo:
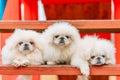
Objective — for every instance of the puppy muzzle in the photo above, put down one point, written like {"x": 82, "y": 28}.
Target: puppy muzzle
{"x": 26, "y": 47}
{"x": 62, "y": 41}
{"x": 99, "y": 62}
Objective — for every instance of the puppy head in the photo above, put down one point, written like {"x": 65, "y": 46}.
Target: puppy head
{"x": 97, "y": 59}
{"x": 62, "y": 34}
{"x": 25, "y": 46}
{"x": 62, "y": 39}
{"x": 23, "y": 41}
{"x": 103, "y": 52}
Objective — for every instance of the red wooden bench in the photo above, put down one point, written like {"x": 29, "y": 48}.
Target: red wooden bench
{"x": 108, "y": 26}
{"x": 112, "y": 70}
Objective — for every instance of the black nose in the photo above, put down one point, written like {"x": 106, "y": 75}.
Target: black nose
{"x": 25, "y": 44}
{"x": 26, "y": 47}
{"x": 98, "y": 58}
{"x": 62, "y": 38}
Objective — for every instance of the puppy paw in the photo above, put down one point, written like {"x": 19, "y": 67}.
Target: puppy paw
{"x": 16, "y": 63}
{"x": 20, "y": 62}
{"x": 62, "y": 62}
{"x": 85, "y": 71}
{"x": 82, "y": 78}
{"x": 50, "y": 63}
{"x": 25, "y": 63}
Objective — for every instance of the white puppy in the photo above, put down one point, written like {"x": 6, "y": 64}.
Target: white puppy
{"x": 22, "y": 48}
{"x": 60, "y": 40}
{"x": 93, "y": 51}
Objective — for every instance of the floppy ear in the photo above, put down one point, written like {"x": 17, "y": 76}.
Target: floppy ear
{"x": 11, "y": 41}
{"x": 12, "y": 37}
{"x": 110, "y": 61}
{"x": 38, "y": 41}
{"x": 87, "y": 54}
{"x": 9, "y": 44}
{"x": 18, "y": 30}
{"x": 111, "y": 57}
{"x": 40, "y": 46}
{"x": 47, "y": 37}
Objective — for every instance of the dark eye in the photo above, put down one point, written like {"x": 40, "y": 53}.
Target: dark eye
{"x": 67, "y": 37}
{"x": 92, "y": 57}
{"x": 20, "y": 43}
{"x": 56, "y": 36}
{"x": 31, "y": 42}
{"x": 103, "y": 55}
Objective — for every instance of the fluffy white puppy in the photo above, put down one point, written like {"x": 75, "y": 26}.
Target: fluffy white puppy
{"x": 60, "y": 40}
{"x": 93, "y": 51}
{"x": 22, "y": 48}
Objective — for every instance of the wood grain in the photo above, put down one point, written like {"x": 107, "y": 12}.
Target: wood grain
{"x": 82, "y": 25}
{"x": 79, "y": 11}
{"x": 59, "y": 70}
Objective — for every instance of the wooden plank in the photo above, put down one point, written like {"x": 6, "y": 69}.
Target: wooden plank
{"x": 81, "y": 11}
{"x": 82, "y": 25}
{"x": 59, "y": 70}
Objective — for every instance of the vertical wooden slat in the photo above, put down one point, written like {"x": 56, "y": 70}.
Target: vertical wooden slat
{"x": 117, "y": 45}
{"x": 63, "y": 77}
{"x": 12, "y": 10}
{"x": 49, "y": 77}
{"x": 36, "y": 77}
{"x": 117, "y": 35}
{"x": 31, "y": 9}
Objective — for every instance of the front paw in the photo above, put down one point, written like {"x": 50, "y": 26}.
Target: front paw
{"x": 49, "y": 63}
{"x": 62, "y": 62}
{"x": 20, "y": 62}
{"x": 82, "y": 77}
{"x": 25, "y": 63}
{"x": 16, "y": 63}
{"x": 85, "y": 71}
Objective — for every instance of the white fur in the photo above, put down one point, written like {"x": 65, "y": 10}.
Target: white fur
{"x": 92, "y": 45}
{"x": 53, "y": 52}
{"x": 11, "y": 54}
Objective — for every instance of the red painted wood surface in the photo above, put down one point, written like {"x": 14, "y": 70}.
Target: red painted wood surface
{"x": 117, "y": 35}
{"x": 79, "y": 24}
{"x": 59, "y": 70}
{"x": 117, "y": 9}
{"x": 12, "y": 10}
{"x": 30, "y": 9}
{"x": 83, "y": 25}
{"x": 71, "y": 1}
{"x": 80, "y": 11}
